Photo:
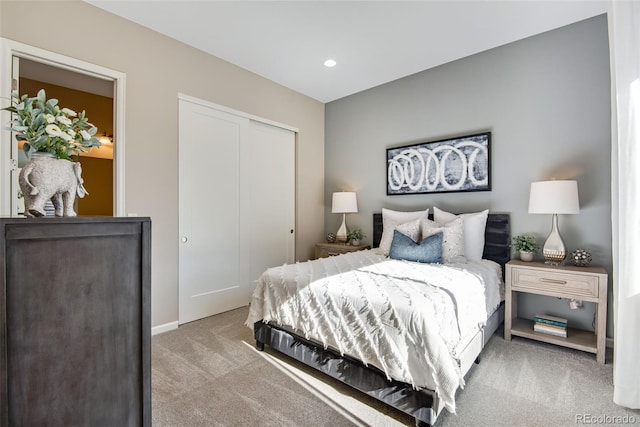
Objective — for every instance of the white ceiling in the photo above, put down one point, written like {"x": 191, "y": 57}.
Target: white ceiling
{"x": 374, "y": 42}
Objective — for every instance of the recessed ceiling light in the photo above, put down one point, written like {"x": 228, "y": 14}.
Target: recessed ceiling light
{"x": 330, "y": 63}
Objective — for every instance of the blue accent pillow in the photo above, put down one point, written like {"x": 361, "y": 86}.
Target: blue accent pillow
{"x": 429, "y": 250}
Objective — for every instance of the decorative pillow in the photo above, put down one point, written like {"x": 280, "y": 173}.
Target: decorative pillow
{"x": 391, "y": 219}
{"x": 452, "y": 239}
{"x": 474, "y": 225}
{"x": 410, "y": 229}
{"x": 428, "y": 250}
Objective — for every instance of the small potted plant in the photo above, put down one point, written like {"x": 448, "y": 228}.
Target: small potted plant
{"x": 45, "y": 127}
{"x": 355, "y": 236}
{"x": 526, "y": 246}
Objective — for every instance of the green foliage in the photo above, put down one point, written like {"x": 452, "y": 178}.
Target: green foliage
{"x": 356, "y": 234}
{"x": 46, "y": 127}
{"x": 525, "y": 243}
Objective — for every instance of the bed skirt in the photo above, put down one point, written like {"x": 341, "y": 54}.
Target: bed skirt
{"x": 423, "y": 404}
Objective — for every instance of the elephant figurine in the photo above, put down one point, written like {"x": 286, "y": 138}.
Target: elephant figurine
{"x": 58, "y": 180}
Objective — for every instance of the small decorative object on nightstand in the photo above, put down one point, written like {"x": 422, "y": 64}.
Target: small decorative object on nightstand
{"x": 580, "y": 257}
{"x": 574, "y": 283}
{"x": 355, "y": 236}
{"x": 526, "y": 246}
{"x": 325, "y": 250}
{"x": 331, "y": 238}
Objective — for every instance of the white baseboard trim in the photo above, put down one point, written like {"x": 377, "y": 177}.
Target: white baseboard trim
{"x": 164, "y": 328}
{"x": 609, "y": 342}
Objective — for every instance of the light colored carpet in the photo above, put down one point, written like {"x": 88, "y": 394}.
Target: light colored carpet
{"x": 208, "y": 373}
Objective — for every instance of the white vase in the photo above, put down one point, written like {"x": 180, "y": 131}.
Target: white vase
{"x": 40, "y": 154}
{"x": 355, "y": 242}
{"x": 526, "y": 256}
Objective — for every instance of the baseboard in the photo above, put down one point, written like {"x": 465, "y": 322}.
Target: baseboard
{"x": 164, "y": 328}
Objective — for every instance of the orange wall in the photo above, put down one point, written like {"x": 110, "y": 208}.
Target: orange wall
{"x": 99, "y": 109}
{"x": 98, "y": 181}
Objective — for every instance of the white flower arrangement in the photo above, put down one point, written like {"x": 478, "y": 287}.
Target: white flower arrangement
{"x": 46, "y": 127}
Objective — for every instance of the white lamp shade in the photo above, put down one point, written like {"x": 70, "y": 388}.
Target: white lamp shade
{"x": 344, "y": 202}
{"x": 554, "y": 197}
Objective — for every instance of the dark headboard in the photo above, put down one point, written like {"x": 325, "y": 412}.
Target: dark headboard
{"x": 497, "y": 237}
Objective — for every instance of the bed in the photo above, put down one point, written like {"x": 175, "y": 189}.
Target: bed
{"x": 411, "y": 374}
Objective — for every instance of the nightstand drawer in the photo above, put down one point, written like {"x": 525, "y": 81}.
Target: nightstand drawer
{"x": 554, "y": 283}
{"x": 325, "y": 250}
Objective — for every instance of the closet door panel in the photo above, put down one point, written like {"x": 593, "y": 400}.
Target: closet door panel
{"x": 268, "y": 199}
{"x": 209, "y": 213}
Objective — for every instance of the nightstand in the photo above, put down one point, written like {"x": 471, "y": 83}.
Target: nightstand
{"x": 583, "y": 283}
{"x": 324, "y": 250}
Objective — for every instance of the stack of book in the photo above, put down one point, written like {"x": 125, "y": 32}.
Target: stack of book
{"x": 550, "y": 325}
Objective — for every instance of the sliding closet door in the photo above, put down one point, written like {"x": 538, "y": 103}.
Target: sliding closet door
{"x": 237, "y": 206}
{"x": 267, "y": 188}
{"x": 209, "y": 211}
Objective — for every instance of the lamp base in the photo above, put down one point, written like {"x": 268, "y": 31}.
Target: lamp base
{"x": 341, "y": 234}
{"x": 554, "y": 251}
{"x": 553, "y": 257}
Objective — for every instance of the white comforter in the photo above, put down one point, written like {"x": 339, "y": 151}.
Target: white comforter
{"x": 408, "y": 319}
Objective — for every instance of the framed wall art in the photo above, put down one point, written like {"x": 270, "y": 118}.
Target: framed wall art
{"x": 445, "y": 166}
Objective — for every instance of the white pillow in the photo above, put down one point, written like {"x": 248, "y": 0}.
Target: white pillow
{"x": 474, "y": 226}
{"x": 411, "y": 229}
{"x": 452, "y": 238}
{"x": 391, "y": 219}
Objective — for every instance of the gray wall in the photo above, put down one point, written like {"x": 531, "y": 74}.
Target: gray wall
{"x": 546, "y": 100}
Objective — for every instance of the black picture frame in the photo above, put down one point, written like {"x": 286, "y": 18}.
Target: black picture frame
{"x": 452, "y": 165}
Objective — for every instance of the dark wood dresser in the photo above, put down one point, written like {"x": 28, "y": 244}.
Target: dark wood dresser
{"x": 75, "y": 332}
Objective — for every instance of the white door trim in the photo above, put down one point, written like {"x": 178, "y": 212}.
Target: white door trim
{"x": 234, "y": 112}
{"x": 10, "y": 48}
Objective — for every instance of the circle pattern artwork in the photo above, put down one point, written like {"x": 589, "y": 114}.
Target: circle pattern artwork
{"x": 455, "y": 165}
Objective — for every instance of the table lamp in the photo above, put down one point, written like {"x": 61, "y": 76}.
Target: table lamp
{"x": 554, "y": 197}
{"x": 343, "y": 202}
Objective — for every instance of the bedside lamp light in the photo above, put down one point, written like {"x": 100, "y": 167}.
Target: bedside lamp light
{"x": 343, "y": 202}
{"x": 554, "y": 197}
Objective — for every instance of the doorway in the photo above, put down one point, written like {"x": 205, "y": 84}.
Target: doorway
{"x": 80, "y": 86}
{"x": 79, "y": 93}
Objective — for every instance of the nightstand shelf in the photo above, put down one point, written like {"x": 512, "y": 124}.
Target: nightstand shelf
{"x": 576, "y": 338}
{"x": 582, "y": 283}
{"x": 325, "y": 250}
